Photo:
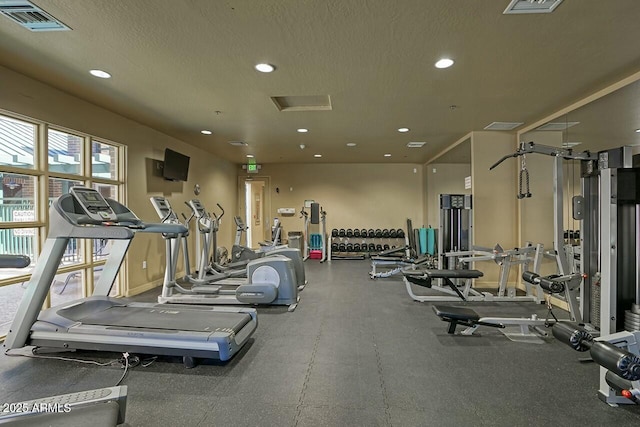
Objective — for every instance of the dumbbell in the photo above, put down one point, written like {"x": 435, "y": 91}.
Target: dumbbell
{"x": 356, "y": 247}
{"x": 371, "y": 233}
{"x": 401, "y": 233}
{"x": 342, "y": 247}
{"x": 393, "y": 233}
{"x": 379, "y": 247}
{"x": 385, "y": 233}
{"x": 334, "y": 232}
{"x": 342, "y": 232}
{"x": 349, "y": 247}
{"x": 386, "y": 247}
{"x": 335, "y": 247}
{"x": 356, "y": 232}
{"x": 378, "y": 233}
{"x": 372, "y": 247}
{"x": 349, "y": 232}
{"x": 363, "y": 232}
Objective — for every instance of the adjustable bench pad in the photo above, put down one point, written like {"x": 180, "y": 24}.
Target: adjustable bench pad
{"x": 455, "y": 313}
{"x": 445, "y": 274}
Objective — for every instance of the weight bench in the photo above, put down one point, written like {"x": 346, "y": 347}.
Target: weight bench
{"x": 397, "y": 265}
{"x": 461, "y": 316}
{"x": 425, "y": 278}
{"x": 522, "y": 329}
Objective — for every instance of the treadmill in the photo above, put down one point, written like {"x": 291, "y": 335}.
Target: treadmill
{"x": 104, "y": 323}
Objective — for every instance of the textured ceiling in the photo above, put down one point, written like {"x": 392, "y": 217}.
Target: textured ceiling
{"x": 175, "y": 63}
{"x": 608, "y": 122}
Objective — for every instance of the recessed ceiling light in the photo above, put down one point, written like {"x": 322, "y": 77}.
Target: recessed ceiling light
{"x": 265, "y": 68}
{"x": 387, "y": 155}
{"x": 317, "y": 155}
{"x": 101, "y": 74}
{"x": 351, "y": 144}
{"x": 444, "y": 63}
{"x": 403, "y": 130}
{"x": 303, "y": 130}
{"x": 250, "y": 156}
{"x": 205, "y": 132}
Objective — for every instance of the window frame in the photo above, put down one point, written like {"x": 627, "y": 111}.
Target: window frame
{"x": 42, "y": 175}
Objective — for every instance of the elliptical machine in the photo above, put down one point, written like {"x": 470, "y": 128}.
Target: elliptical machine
{"x": 208, "y": 227}
{"x": 271, "y": 280}
{"x": 240, "y": 252}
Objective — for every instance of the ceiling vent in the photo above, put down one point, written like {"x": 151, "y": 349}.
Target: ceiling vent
{"x": 557, "y": 125}
{"x": 503, "y": 125}
{"x": 238, "y": 143}
{"x": 30, "y": 16}
{"x": 302, "y": 103}
{"x": 570, "y": 144}
{"x": 531, "y": 6}
{"x": 415, "y": 144}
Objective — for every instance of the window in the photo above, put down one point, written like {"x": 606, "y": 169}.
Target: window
{"x": 104, "y": 160}
{"x": 17, "y": 143}
{"x": 64, "y": 152}
{"x": 39, "y": 163}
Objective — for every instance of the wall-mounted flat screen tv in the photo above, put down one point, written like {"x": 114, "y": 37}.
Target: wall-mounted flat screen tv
{"x": 176, "y": 166}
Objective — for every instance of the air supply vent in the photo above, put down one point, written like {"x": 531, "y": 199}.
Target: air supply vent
{"x": 30, "y": 16}
{"x": 416, "y": 144}
{"x": 570, "y": 144}
{"x": 531, "y": 6}
{"x": 557, "y": 125}
{"x": 502, "y": 125}
{"x": 238, "y": 143}
{"x": 302, "y": 103}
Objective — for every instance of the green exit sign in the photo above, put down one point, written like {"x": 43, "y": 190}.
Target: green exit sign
{"x": 252, "y": 167}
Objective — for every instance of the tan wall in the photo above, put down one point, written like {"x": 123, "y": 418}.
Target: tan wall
{"x": 354, "y": 195}
{"x": 217, "y": 178}
{"x": 494, "y": 199}
{"x": 536, "y": 213}
{"x": 443, "y": 178}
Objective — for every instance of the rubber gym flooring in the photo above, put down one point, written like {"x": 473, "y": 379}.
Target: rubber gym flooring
{"x": 356, "y": 352}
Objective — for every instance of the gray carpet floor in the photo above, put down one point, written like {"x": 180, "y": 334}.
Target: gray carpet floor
{"x": 356, "y": 352}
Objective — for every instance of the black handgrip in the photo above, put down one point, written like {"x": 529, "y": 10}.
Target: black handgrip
{"x": 14, "y": 261}
{"x": 617, "y": 360}
{"x": 571, "y": 335}
{"x": 222, "y": 214}
{"x": 508, "y": 156}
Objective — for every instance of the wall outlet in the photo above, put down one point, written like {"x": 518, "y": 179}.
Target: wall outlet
{"x": 144, "y": 265}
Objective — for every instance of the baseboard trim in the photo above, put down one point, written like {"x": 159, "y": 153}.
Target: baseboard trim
{"x": 143, "y": 288}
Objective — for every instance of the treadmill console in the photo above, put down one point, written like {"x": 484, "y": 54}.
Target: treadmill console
{"x": 197, "y": 208}
{"x": 163, "y": 209}
{"x": 93, "y": 204}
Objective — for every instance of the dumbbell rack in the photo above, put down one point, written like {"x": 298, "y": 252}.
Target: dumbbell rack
{"x": 347, "y": 245}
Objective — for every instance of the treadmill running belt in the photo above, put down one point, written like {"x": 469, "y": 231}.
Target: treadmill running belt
{"x": 168, "y": 318}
